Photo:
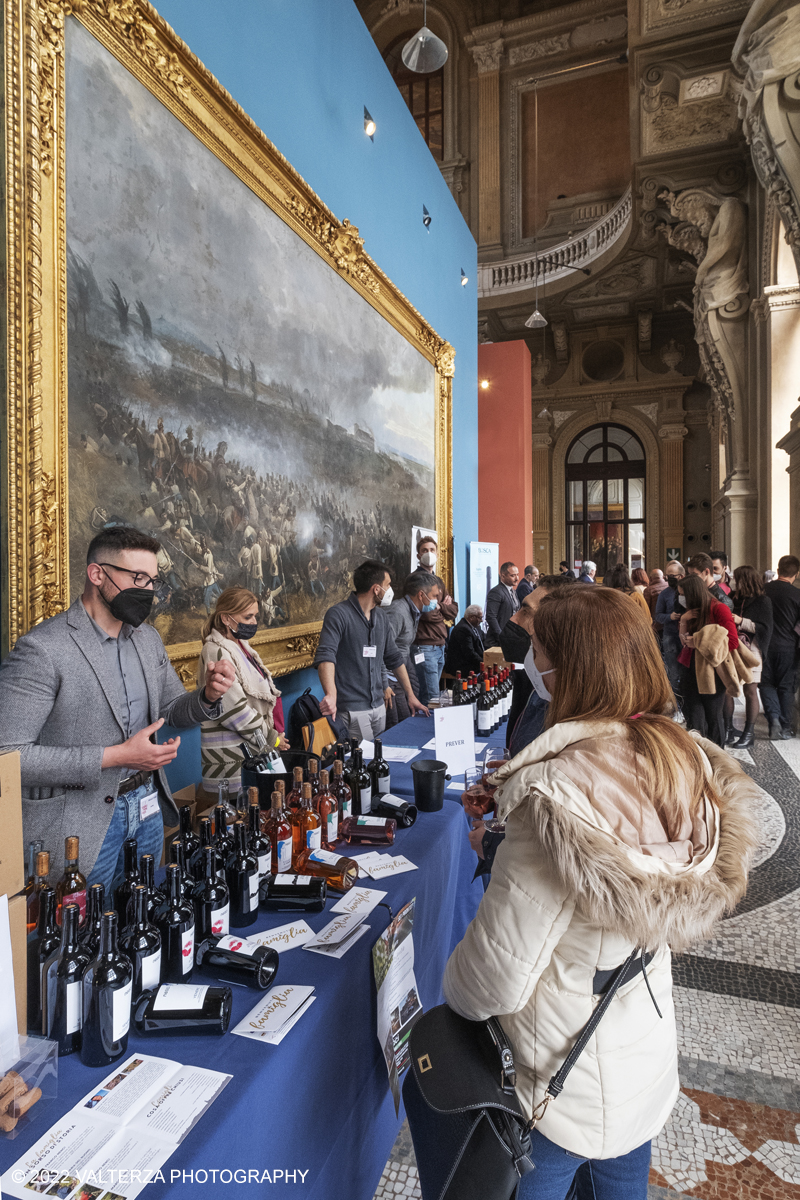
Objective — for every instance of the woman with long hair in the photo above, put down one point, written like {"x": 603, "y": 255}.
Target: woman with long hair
{"x": 619, "y": 579}
{"x": 640, "y": 579}
{"x": 247, "y": 707}
{"x": 702, "y": 709}
{"x": 752, "y": 615}
{"x": 623, "y": 833}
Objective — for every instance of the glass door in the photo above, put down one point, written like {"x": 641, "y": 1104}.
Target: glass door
{"x": 605, "y": 516}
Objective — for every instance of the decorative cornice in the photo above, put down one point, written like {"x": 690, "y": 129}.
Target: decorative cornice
{"x": 487, "y": 55}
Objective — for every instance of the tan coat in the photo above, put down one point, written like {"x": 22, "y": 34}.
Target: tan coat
{"x": 247, "y": 706}
{"x": 585, "y": 874}
{"x": 712, "y": 656}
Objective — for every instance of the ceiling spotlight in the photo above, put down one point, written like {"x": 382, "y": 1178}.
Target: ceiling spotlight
{"x": 424, "y": 52}
{"x": 464, "y": 278}
{"x": 535, "y": 320}
{"x": 369, "y": 125}
{"x": 484, "y": 384}
{"x": 426, "y": 217}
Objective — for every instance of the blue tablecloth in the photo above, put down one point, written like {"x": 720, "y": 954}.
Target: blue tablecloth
{"x": 320, "y": 1101}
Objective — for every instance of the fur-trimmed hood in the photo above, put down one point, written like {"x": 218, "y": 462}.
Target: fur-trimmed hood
{"x": 640, "y": 891}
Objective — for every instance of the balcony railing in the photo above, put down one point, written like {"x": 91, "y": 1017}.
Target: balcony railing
{"x": 556, "y": 262}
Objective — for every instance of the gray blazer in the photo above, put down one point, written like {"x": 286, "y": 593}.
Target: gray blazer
{"x": 59, "y": 708}
{"x": 404, "y": 628}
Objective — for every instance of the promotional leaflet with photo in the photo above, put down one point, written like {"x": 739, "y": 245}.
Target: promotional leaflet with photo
{"x": 120, "y": 1134}
{"x": 399, "y": 1005}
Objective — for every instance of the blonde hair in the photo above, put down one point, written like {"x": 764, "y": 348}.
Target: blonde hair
{"x": 230, "y": 603}
{"x": 608, "y": 667}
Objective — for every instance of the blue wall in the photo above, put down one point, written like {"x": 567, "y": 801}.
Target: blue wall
{"x": 304, "y": 70}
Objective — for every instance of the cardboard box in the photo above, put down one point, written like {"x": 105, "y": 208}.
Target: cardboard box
{"x": 12, "y": 849}
{"x": 17, "y": 916}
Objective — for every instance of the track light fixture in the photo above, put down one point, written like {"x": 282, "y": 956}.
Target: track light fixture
{"x": 426, "y": 217}
{"x": 369, "y": 125}
{"x": 424, "y": 52}
{"x": 464, "y": 278}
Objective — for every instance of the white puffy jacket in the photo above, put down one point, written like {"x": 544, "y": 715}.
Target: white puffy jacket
{"x": 570, "y": 895}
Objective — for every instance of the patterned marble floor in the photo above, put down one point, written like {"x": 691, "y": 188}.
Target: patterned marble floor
{"x": 734, "y": 1133}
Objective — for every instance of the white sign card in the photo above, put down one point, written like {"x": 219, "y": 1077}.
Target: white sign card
{"x": 455, "y": 738}
{"x": 285, "y": 937}
{"x": 388, "y": 864}
{"x": 359, "y": 900}
{"x": 274, "y": 1011}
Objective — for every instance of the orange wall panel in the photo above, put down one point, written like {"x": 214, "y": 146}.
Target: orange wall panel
{"x": 505, "y": 485}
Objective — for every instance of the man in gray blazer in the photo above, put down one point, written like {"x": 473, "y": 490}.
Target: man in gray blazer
{"x": 419, "y": 591}
{"x": 82, "y": 696}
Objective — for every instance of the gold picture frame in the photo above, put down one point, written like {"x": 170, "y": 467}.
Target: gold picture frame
{"x": 36, "y": 468}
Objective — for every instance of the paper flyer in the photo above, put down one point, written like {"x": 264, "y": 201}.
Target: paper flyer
{"x": 116, "y": 1139}
{"x": 276, "y": 1012}
{"x": 399, "y": 1005}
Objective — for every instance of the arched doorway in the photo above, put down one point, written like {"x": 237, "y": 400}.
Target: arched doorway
{"x": 605, "y": 498}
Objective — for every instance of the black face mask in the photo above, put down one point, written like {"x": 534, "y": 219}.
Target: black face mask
{"x": 673, "y": 581}
{"x": 244, "y": 632}
{"x": 131, "y": 605}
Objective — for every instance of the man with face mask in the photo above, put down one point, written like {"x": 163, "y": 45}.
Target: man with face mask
{"x": 404, "y": 615}
{"x": 82, "y": 696}
{"x": 666, "y": 624}
{"x": 432, "y": 631}
{"x": 356, "y": 646}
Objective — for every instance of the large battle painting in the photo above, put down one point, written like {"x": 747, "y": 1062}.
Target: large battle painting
{"x": 228, "y": 390}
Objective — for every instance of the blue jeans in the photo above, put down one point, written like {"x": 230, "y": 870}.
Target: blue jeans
{"x": 429, "y": 671}
{"x": 125, "y": 823}
{"x": 623, "y": 1178}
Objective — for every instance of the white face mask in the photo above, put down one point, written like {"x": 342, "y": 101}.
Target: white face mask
{"x": 388, "y": 597}
{"x": 428, "y": 559}
{"x": 682, "y": 601}
{"x": 717, "y": 578}
{"x": 536, "y": 677}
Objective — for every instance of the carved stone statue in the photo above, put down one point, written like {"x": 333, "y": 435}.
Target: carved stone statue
{"x": 767, "y": 58}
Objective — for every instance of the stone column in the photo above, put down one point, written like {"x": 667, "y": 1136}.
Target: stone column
{"x": 543, "y": 549}
{"x": 671, "y": 434}
{"x": 487, "y": 57}
{"x": 791, "y": 444}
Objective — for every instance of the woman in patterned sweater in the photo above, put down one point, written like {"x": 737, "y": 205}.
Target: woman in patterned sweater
{"x": 248, "y": 704}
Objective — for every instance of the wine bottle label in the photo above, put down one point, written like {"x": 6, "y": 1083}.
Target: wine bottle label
{"x": 484, "y": 721}
{"x": 324, "y": 856}
{"x": 333, "y": 826}
{"x": 285, "y": 855}
{"x": 294, "y": 880}
{"x": 220, "y": 920}
{"x": 238, "y": 945}
{"x": 264, "y": 863}
{"x": 179, "y": 995}
{"x": 78, "y": 898}
{"x": 151, "y": 969}
{"x": 252, "y": 904}
{"x": 187, "y": 949}
{"x": 366, "y": 799}
{"x": 392, "y": 801}
{"x": 377, "y": 822}
{"x": 73, "y": 1022}
{"x": 347, "y": 809}
{"x": 121, "y": 1012}
{"x": 314, "y": 838}
{"x": 383, "y": 785}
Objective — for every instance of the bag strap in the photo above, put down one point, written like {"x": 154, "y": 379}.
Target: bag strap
{"x": 556, "y": 1084}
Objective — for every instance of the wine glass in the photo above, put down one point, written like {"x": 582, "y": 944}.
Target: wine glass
{"x": 495, "y": 757}
{"x": 479, "y": 794}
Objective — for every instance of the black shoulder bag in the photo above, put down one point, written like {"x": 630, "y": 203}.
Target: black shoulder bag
{"x": 471, "y": 1138}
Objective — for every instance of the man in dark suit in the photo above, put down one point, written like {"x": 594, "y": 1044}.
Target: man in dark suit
{"x": 526, "y": 585}
{"x": 502, "y": 602}
{"x": 563, "y": 568}
{"x": 465, "y": 645}
{"x": 588, "y": 572}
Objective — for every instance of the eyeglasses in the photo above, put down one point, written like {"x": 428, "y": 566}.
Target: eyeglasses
{"x": 140, "y": 578}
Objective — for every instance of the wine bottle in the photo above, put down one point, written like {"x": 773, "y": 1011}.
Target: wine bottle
{"x": 89, "y": 936}
{"x": 176, "y": 926}
{"x": 211, "y": 900}
{"x": 224, "y": 800}
{"x": 71, "y": 887}
{"x": 223, "y": 840}
{"x": 341, "y": 790}
{"x": 458, "y": 696}
{"x": 296, "y": 794}
{"x": 259, "y": 843}
{"x": 403, "y": 811}
{"x": 313, "y": 776}
{"x": 339, "y": 873}
{"x": 293, "y": 893}
{"x": 190, "y": 839}
{"x": 484, "y": 711}
{"x": 107, "y": 987}
{"x": 379, "y": 773}
{"x": 42, "y": 944}
{"x": 140, "y": 942}
{"x": 242, "y": 876}
{"x": 361, "y": 785}
{"x": 306, "y": 829}
{"x": 41, "y": 871}
{"x": 177, "y": 855}
{"x": 196, "y": 864}
{"x": 34, "y": 848}
{"x": 328, "y": 810}
{"x": 375, "y": 831}
{"x": 279, "y": 832}
{"x": 177, "y": 1009}
{"x": 130, "y": 880}
{"x": 61, "y": 985}
{"x": 236, "y": 960}
{"x": 147, "y": 872}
